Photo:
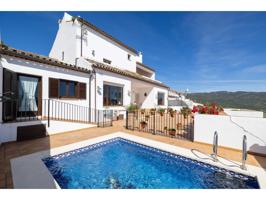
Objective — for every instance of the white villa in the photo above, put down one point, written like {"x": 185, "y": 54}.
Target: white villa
{"x": 86, "y": 67}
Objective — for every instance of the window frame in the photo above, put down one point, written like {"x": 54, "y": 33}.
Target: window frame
{"x": 108, "y": 104}
{"x": 80, "y": 89}
{"x": 67, "y": 96}
{"x": 163, "y": 99}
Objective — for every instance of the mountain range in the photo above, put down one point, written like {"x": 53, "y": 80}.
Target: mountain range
{"x": 239, "y": 99}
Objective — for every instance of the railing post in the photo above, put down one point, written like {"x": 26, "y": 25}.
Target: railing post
{"x": 126, "y": 119}
{"x": 98, "y": 118}
{"x": 48, "y": 112}
{"x": 112, "y": 117}
{"x": 154, "y": 126}
{"x": 133, "y": 124}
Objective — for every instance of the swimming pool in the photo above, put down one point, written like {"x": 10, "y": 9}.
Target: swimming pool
{"x": 121, "y": 163}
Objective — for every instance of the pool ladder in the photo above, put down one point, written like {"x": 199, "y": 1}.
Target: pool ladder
{"x": 215, "y": 147}
{"x": 244, "y": 153}
{"x": 244, "y": 150}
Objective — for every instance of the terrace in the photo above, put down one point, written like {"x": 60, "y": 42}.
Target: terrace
{"x": 16, "y": 149}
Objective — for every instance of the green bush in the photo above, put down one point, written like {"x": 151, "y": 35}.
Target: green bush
{"x": 132, "y": 108}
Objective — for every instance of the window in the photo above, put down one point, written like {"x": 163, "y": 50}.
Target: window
{"x": 66, "y": 89}
{"x": 128, "y": 56}
{"x": 112, "y": 95}
{"x": 160, "y": 99}
{"x": 63, "y": 55}
{"x": 63, "y": 88}
{"x": 107, "y": 61}
{"x": 93, "y": 52}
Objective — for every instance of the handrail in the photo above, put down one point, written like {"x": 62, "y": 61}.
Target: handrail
{"x": 244, "y": 153}
{"x": 215, "y": 147}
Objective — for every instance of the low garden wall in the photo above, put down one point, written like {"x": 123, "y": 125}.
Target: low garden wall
{"x": 231, "y": 130}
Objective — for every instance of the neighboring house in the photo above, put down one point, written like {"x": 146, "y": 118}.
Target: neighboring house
{"x": 178, "y": 100}
{"x": 86, "y": 67}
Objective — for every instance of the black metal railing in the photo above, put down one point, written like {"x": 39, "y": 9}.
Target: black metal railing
{"x": 171, "y": 124}
{"x": 16, "y": 110}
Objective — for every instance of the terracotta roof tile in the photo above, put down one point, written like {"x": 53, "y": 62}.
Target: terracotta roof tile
{"x": 141, "y": 64}
{"x": 6, "y": 50}
{"x": 127, "y": 73}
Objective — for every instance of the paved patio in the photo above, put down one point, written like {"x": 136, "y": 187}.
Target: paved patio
{"x": 15, "y": 149}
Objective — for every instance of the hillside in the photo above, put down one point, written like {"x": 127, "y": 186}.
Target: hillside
{"x": 247, "y": 100}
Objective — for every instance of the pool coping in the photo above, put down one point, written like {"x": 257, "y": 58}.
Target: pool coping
{"x": 29, "y": 171}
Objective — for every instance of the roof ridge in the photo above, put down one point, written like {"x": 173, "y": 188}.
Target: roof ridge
{"x": 10, "y": 51}
{"x": 97, "y": 29}
{"x": 124, "y": 72}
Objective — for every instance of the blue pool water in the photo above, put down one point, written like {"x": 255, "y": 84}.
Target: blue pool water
{"x": 120, "y": 163}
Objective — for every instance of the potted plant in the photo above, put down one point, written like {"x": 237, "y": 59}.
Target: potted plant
{"x": 161, "y": 111}
{"x": 171, "y": 131}
{"x": 179, "y": 126}
{"x": 143, "y": 124}
{"x": 152, "y": 111}
{"x": 132, "y": 108}
{"x": 165, "y": 128}
{"x": 185, "y": 112}
{"x": 147, "y": 117}
{"x": 171, "y": 112}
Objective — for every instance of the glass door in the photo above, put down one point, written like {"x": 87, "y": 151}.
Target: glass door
{"x": 28, "y": 95}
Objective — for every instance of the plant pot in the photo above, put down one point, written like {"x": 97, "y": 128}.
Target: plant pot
{"x": 172, "y": 133}
{"x": 143, "y": 126}
{"x": 161, "y": 114}
{"x": 179, "y": 126}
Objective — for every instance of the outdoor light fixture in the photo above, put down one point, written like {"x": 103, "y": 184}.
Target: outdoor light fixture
{"x": 145, "y": 94}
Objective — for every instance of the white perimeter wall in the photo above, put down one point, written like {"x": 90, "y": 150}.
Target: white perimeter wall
{"x": 231, "y": 130}
{"x": 9, "y": 130}
{"x": 244, "y": 113}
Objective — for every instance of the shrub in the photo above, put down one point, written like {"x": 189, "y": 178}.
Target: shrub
{"x": 212, "y": 109}
{"x": 185, "y": 111}
{"x": 161, "y": 111}
{"x": 132, "y": 108}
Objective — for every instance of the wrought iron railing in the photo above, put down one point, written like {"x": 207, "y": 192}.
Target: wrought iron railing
{"x": 15, "y": 110}
{"x": 171, "y": 124}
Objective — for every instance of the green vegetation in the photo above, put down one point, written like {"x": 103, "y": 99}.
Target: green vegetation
{"x": 244, "y": 100}
{"x": 132, "y": 108}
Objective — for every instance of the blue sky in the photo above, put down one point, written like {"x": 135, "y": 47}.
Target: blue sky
{"x": 201, "y": 51}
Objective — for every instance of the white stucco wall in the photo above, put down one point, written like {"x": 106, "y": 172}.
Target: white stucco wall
{"x": 231, "y": 130}
{"x": 112, "y": 79}
{"x": 244, "y": 113}
{"x": 151, "y": 100}
{"x": 46, "y": 72}
{"x": 68, "y": 39}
